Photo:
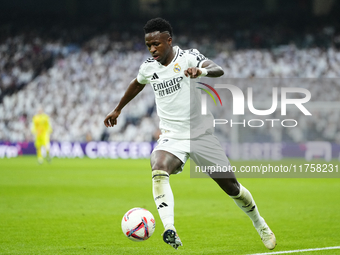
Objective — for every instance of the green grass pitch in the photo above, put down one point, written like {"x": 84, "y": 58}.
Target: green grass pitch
{"x": 75, "y": 206}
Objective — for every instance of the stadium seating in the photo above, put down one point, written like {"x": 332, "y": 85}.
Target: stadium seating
{"x": 78, "y": 84}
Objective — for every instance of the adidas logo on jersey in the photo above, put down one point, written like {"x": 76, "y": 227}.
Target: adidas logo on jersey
{"x": 154, "y": 77}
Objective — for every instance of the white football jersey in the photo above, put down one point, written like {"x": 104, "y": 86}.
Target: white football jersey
{"x": 178, "y": 103}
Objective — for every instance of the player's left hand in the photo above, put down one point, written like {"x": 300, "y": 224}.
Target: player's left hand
{"x": 192, "y": 72}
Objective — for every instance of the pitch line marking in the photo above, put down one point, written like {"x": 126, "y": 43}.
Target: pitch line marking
{"x": 295, "y": 251}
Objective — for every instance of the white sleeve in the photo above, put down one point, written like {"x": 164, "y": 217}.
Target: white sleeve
{"x": 141, "y": 77}
{"x": 196, "y": 59}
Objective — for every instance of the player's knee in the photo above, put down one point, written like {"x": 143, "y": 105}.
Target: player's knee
{"x": 158, "y": 165}
{"x": 159, "y": 162}
{"x": 162, "y": 160}
{"x": 230, "y": 186}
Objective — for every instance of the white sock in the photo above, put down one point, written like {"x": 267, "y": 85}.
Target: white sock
{"x": 164, "y": 198}
{"x": 245, "y": 201}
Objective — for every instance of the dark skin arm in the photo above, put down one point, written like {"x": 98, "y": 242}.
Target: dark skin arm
{"x": 213, "y": 69}
{"x": 134, "y": 88}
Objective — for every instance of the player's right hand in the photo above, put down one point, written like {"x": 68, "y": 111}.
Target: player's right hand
{"x": 192, "y": 72}
{"x": 111, "y": 118}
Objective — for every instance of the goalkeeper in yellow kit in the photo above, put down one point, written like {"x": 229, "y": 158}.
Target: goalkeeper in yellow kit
{"x": 41, "y": 128}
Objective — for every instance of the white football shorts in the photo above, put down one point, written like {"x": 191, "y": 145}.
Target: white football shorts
{"x": 204, "y": 150}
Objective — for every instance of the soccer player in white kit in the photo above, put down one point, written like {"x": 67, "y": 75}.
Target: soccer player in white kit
{"x": 169, "y": 71}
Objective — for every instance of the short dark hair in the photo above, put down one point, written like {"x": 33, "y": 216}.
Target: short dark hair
{"x": 157, "y": 24}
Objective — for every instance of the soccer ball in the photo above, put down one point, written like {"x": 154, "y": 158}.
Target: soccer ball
{"x": 138, "y": 224}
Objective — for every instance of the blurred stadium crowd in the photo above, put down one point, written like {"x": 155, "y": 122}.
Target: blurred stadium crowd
{"x": 78, "y": 76}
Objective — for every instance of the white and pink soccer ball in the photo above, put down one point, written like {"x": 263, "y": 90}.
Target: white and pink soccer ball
{"x": 138, "y": 224}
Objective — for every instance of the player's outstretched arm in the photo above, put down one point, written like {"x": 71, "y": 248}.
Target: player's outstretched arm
{"x": 134, "y": 88}
{"x": 209, "y": 69}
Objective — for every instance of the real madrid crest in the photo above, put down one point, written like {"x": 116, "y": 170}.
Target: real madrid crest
{"x": 177, "y": 68}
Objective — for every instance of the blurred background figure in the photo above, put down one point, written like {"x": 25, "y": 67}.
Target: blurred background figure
{"x": 42, "y": 129}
